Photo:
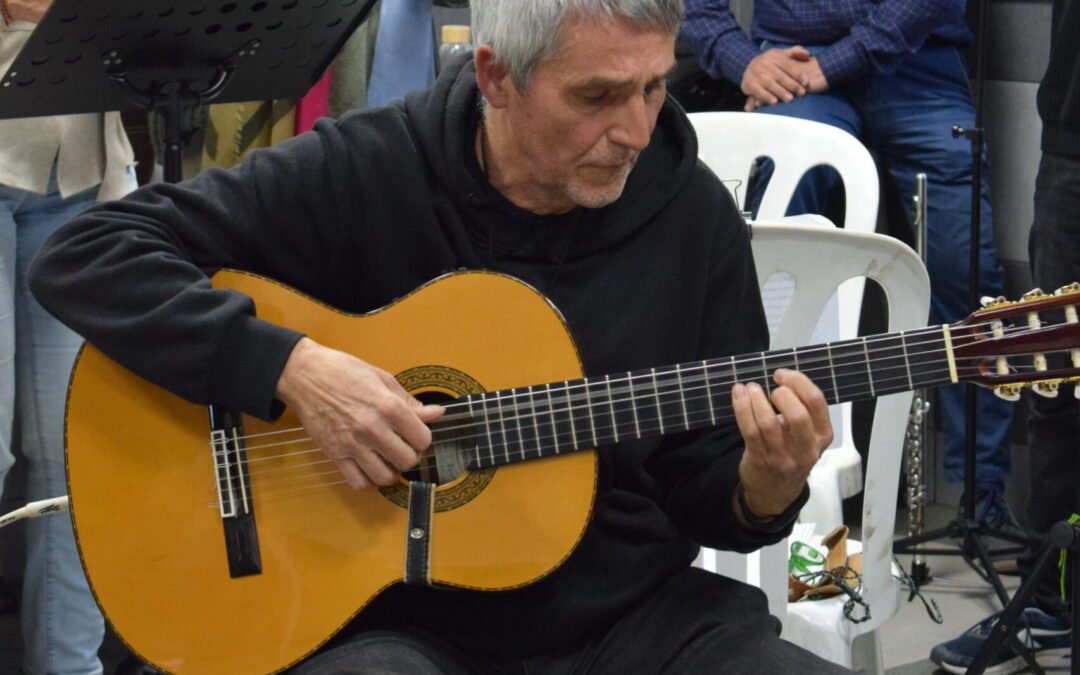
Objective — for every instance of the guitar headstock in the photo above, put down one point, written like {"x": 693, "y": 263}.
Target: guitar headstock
{"x": 1032, "y": 342}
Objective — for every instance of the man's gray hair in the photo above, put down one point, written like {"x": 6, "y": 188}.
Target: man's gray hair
{"x": 523, "y": 33}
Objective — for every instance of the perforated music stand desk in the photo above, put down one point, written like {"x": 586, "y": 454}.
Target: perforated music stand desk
{"x": 170, "y": 55}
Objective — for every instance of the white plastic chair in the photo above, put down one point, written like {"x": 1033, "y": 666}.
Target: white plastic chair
{"x": 839, "y": 255}
{"x": 729, "y": 143}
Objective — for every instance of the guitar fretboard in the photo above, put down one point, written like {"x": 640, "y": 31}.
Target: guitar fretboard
{"x": 512, "y": 425}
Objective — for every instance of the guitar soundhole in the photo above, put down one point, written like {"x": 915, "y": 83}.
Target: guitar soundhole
{"x": 444, "y": 464}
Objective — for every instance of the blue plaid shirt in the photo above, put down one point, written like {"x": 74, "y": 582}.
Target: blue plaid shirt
{"x": 861, "y": 36}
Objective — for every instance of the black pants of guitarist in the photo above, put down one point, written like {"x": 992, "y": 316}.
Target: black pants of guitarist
{"x": 698, "y": 622}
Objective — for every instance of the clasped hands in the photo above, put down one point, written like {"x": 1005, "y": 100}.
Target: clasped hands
{"x": 777, "y": 75}
{"x": 27, "y": 10}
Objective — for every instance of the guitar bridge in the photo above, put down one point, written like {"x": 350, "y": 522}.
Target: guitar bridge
{"x": 234, "y": 492}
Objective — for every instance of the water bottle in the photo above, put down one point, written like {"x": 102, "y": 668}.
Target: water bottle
{"x": 456, "y": 44}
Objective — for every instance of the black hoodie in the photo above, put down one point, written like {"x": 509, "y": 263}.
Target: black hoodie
{"x": 363, "y": 210}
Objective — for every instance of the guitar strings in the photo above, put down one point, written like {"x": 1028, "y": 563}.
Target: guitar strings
{"x": 693, "y": 418}
{"x": 534, "y": 412}
{"x": 626, "y": 385}
{"x": 689, "y": 375}
{"x": 602, "y": 427}
{"x": 310, "y": 481}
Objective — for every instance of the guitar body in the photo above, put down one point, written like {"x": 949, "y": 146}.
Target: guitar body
{"x": 141, "y": 479}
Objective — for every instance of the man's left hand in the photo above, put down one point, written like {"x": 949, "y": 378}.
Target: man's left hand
{"x": 781, "y": 449}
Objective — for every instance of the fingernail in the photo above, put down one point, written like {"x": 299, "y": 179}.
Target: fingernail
{"x": 755, "y": 386}
{"x": 739, "y": 392}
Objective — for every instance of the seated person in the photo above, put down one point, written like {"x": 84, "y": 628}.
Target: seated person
{"x": 556, "y": 157}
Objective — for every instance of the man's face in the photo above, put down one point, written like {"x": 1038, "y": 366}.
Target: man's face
{"x": 589, "y": 112}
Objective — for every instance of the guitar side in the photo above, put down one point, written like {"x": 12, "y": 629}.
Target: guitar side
{"x": 144, "y": 505}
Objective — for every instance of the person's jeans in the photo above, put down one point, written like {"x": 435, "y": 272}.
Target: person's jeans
{"x": 62, "y": 628}
{"x": 907, "y": 118}
{"x": 1054, "y": 423}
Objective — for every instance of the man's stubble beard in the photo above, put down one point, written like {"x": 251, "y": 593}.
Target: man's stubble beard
{"x": 596, "y": 197}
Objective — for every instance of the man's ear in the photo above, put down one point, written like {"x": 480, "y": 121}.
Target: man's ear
{"x": 492, "y": 78}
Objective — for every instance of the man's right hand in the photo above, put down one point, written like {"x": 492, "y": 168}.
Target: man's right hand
{"x": 774, "y": 75}
{"x": 359, "y": 415}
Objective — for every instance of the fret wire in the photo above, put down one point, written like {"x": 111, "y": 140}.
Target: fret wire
{"x": 570, "y": 412}
{"x": 869, "y": 374}
{"x": 659, "y": 411}
{"x": 521, "y": 436}
{"x": 708, "y": 390}
{"x": 765, "y": 376}
{"x": 832, "y": 371}
{"x": 682, "y": 396}
{"x": 534, "y": 422}
{"x": 589, "y": 408}
{"x": 502, "y": 422}
{"x": 633, "y": 407}
{"x": 551, "y": 411}
{"x": 907, "y": 360}
{"x": 611, "y": 405}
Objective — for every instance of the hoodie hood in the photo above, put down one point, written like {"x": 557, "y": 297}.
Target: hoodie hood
{"x": 445, "y": 118}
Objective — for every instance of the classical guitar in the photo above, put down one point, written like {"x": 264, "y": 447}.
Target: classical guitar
{"x": 217, "y": 543}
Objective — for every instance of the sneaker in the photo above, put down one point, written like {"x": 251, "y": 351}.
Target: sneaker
{"x": 1044, "y": 635}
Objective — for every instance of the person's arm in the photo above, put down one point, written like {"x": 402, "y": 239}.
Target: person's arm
{"x": 702, "y": 475}
{"x": 891, "y": 30}
{"x": 724, "y": 50}
{"x": 132, "y": 277}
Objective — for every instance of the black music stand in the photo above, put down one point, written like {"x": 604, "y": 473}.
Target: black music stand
{"x": 173, "y": 55}
{"x": 1062, "y": 536}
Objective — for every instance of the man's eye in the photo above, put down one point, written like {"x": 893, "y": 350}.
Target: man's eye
{"x": 595, "y": 99}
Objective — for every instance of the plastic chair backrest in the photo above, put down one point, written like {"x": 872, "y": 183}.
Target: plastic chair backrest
{"x": 730, "y": 143}
{"x": 839, "y": 255}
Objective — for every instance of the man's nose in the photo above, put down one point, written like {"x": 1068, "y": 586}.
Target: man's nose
{"x": 633, "y": 128}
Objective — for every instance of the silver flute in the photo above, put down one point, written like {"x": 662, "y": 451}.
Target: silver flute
{"x": 915, "y": 438}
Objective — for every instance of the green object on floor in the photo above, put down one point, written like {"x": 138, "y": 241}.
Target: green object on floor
{"x": 1074, "y": 519}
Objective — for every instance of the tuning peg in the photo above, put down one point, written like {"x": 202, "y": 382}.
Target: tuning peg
{"x": 1034, "y": 294}
{"x": 1074, "y": 287}
{"x": 1046, "y": 389}
{"x": 988, "y": 302}
{"x": 1008, "y": 392}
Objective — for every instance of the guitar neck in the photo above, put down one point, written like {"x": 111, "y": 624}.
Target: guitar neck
{"x": 513, "y": 425}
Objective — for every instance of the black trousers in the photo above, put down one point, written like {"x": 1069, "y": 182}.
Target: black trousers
{"x": 1054, "y": 423}
{"x": 698, "y": 622}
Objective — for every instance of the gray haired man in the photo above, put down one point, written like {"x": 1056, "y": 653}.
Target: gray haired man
{"x": 555, "y": 156}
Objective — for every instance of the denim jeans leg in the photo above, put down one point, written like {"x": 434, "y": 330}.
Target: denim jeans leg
{"x": 909, "y": 117}
{"x": 9, "y": 201}
{"x": 62, "y": 627}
